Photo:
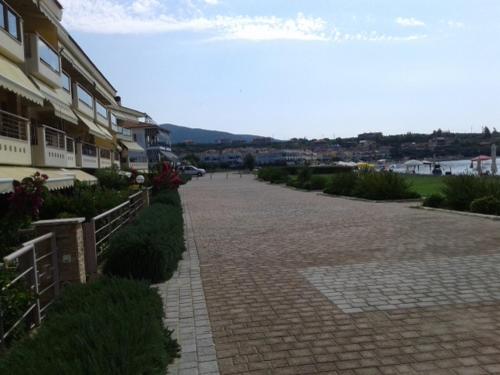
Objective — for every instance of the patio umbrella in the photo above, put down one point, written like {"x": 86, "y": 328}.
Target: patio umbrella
{"x": 493, "y": 159}
{"x": 480, "y": 159}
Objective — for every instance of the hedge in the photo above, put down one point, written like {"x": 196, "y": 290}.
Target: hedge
{"x": 371, "y": 185}
{"x": 112, "y": 326}
{"x": 151, "y": 247}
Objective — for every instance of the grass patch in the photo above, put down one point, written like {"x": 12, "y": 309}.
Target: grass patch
{"x": 426, "y": 185}
{"x": 113, "y": 327}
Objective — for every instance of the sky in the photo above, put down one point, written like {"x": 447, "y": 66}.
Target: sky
{"x": 299, "y": 68}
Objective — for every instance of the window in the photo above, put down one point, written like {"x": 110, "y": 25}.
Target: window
{"x": 84, "y": 97}
{"x": 10, "y": 21}
{"x": 101, "y": 110}
{"x": 48, "y": 56}
{"x": 128, "y": 133}
{"x": 66, "y": 82}
{"x": 114, "y": 124}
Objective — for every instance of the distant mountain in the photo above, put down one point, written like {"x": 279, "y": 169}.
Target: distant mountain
{"x": 180, "y": 134}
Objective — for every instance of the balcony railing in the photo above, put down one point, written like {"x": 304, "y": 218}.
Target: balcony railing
{"x": 54, "y": 138}
{"x": 86, "y": 156}
{"x": 105, "y": 158}
{"x": 14, "y": 143}
{"x": 49, "y": 149}
{"x": 13, "y": 126}
{"x": 89, "y": 150}
{"x": 70, "y": 153}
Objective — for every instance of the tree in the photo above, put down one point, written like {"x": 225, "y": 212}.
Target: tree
{"x": 249, "y": 162}
{"x": 486, "y": 132}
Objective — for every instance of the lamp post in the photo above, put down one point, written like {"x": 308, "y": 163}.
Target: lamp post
{"x": 140, "y": 179}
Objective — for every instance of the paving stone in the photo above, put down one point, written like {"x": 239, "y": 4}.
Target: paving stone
{"x": 357, "y": 287}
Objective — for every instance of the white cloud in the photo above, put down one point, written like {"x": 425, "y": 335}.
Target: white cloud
{"x": 212, "y": 2}
{"x": 409, "y": 22}
{"x": 153, "y": 16}
{"x": 455, "y": 24}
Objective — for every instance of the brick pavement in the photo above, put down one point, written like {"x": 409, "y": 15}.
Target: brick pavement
{"x": 287, "y": 276}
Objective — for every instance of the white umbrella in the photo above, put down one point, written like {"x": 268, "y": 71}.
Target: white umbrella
{"x": 493, "y": 159}
{"x": 413, "y": 163}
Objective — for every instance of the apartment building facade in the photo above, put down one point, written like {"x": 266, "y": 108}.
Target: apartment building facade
{"x": 58, "y": 113}
{"x": 153, "y": 139}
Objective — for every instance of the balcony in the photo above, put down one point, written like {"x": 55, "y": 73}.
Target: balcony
{"x": 70, "y": 153}
{"x": 11, "y": 33}
{"x": 86, "y": 156}
{"x": 138, "y": 165}
{"x": 121, "y": 133}
{"x": 42, "y": 60}
{"x": 49, "y": 147}
{"x": 105, "y": 160}
{"x": 14, "y": 139}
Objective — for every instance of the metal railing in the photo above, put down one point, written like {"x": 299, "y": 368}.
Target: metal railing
{"x": 99, "y": 229}
{"x": 35, "y": 269}
{"x": 13, "y": 126}
{"x": 89, "y": 150}
{"x": 70, "y": 145}
{"x": 54, "y": 138}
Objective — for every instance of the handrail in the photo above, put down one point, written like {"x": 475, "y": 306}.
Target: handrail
{"x": 39, "y": 239}
{"x": 13, "y": 115}
{"x": 16, "y": 254}
{"x": 100, "y": 216}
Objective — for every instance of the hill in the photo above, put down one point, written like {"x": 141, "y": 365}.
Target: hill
{"x": 180, "y": 134}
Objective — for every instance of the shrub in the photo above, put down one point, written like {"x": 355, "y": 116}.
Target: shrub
{"x": 170, "y": 197}
{"x": 341, "y": 184}
{"x": 109, "y": 178}
{"x": 434, "y": 200}
{"x": 275, "y": 175}
{"x": 14, "y": 301}
{"x": 112, "y": 326}
{"x": 168, "y": 178}
{"x": 150, "y": 248}
{"x": 383, "y": 186}
{"x": 304, "y": 175}
{"x": 460, "y": 191}
{"x": 318, "y": 182}
{"x": 84, "y": 201}
{"x": 488, "y": 205}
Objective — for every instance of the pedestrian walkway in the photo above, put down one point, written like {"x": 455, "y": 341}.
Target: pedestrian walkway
{"x": 300, "y": 283}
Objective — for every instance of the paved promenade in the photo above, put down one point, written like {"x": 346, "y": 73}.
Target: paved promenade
{"x": 299, "y": 283}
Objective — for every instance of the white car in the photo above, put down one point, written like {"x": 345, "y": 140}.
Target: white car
{"x": 192, "y": 171}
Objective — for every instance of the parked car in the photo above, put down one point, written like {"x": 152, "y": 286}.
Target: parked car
{"x": 192, "y": 170}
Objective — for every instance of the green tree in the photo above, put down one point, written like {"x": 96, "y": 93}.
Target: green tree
{"x": 249, "y": 162}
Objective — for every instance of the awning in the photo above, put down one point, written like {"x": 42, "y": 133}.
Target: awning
{"x": 79, "y": 175}
{"x": 95, "y": 129}
{"x": 132, "y": 146}
{"x": 13, "y": 78}
{"x": 59, "y": 100}
{"x": 169, "y": 155}
{"x": 57, "y": 179}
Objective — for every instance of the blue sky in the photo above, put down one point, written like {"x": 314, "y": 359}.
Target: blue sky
{"x": 299, "y": 68}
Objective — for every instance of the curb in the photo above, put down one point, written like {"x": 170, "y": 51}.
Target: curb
{"x": 460, "y": 213}
{"x": 372, "y": 200}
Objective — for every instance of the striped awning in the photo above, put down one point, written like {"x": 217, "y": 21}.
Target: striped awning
{"x": 132, "y": 146}
{"x": 59, "y": 100}
{"x": 94, "y": 128}
{"x": 57, "y": 180}
{"x": 13, "y": 79}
